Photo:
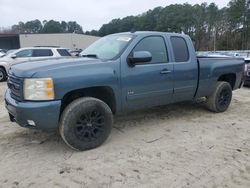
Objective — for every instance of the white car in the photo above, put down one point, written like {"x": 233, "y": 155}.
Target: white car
{"x": 2, "y": 54}
{"x": 28, "y": 54}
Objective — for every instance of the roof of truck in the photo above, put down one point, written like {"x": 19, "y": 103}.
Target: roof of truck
{"x": 151, "y": 33}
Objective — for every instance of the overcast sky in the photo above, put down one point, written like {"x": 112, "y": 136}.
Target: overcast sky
{"x": 90, "y": 14}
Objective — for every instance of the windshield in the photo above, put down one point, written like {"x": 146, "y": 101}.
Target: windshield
{"x": 9, "y": 53}
{"x": 107, "y": 47}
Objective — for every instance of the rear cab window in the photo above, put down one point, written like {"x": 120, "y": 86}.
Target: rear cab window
{"x": 63, "y": 52}
{"x": 180, "y": 49}
{"x": 42, "y": 53}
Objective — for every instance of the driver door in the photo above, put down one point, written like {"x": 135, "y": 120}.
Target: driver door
{"x": 148, "y": 84}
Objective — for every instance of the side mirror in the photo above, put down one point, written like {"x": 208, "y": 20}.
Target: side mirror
{"x": 139, "y": 57}
{"x": 13, "y": 56}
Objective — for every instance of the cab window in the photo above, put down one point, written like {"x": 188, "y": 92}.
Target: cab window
{"x": 156, "y": 46}
{"x": 180, "y": 49}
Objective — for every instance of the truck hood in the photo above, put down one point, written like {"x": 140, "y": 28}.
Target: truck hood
{"x": 29, "y": 69}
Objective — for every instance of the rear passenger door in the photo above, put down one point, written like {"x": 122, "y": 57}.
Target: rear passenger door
{"x": 185, "y": 68}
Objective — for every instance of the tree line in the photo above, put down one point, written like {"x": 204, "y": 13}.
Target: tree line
{"x": 210, "y": 27}
{"x": 51, "y": 26}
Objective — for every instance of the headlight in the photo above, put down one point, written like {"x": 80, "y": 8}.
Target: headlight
{"x": 38, "y": 89}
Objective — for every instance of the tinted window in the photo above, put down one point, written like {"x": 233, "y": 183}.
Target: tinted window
{"x": 180, "y": 49}
{"x": 63, "y": 52}
{"x": 156, "y": 46}
{"x": 42, "y": 53}
{"x": 24, "y": 53}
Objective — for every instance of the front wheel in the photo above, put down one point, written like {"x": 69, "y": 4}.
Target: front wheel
{"x": 86, "y": 123}
{"x": 3, "y": 74}
{"x": 221, "y": 98}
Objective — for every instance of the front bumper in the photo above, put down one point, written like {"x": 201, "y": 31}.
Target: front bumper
{"x": 45, "y": 115}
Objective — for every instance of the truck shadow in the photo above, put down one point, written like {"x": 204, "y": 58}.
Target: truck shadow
{"x": 51, "y": 141}
{"x": 185, "y": 110}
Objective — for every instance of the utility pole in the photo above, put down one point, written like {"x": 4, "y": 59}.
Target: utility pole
{"x": 214, "y": 40}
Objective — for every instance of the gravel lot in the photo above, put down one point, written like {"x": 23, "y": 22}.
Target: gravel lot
{"x": 181, "y": 145}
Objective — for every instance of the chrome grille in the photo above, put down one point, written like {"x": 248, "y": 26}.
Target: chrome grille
{"x": 15, "y": 86}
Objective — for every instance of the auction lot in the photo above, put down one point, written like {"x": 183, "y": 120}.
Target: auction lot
{"x": 181, "y": 145}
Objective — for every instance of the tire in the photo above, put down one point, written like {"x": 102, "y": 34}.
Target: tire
{"x": 221, "y": 98}
{"x": 3, "y": 75}
{"x": 86, "y": 123}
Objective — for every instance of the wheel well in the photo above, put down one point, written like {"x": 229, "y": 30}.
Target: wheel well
{"x": 3, "y": 68}
{"x": 105, "y": 94}
{"x": 230, "y": 78}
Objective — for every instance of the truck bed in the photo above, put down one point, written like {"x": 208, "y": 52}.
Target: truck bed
{"x": 211, "y": 69}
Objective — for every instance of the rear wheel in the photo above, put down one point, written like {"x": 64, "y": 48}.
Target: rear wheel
{"x": 3, "y": 74}
{"x": 86, "y": 123}
{"x": 221, "y": 98}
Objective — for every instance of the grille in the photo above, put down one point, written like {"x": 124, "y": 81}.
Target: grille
{"x": 15, "y": 86}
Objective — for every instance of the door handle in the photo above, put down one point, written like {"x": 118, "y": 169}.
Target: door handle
{"x": 165, "y": 71}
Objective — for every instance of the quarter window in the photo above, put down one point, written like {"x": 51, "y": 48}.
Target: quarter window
{"x": 180, "y": 49}
{"x": 63, "y": 52}
{"x": 156, "y": 46}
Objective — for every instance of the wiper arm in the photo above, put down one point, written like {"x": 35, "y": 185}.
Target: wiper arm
{"x": 90, "y": 55}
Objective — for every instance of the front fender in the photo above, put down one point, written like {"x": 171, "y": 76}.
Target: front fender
{"x": 84, "y": 76}
{"x": 5, "y": 65}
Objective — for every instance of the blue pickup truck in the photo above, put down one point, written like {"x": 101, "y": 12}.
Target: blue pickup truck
{"x": 116, "y": 74}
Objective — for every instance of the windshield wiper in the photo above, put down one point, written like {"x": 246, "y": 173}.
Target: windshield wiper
{"x": 90, "y": 55}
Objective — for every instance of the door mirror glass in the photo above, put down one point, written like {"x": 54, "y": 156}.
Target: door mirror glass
{"x": 140, "y": 57}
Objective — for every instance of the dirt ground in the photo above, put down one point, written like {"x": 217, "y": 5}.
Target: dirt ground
{"x": 181, "y": 145}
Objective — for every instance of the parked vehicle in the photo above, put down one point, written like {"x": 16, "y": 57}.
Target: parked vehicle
{"x": 10, "y": 51}
{"x": 247, "y": 76}
{"x": 2, "y": 52}
{"x": 75, "y": 52}
{"x": 28, "y": 54}
{"x": 117, "y": 74}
